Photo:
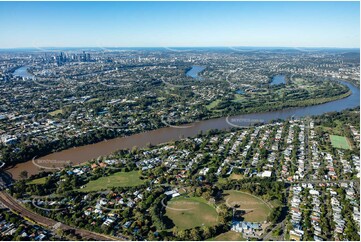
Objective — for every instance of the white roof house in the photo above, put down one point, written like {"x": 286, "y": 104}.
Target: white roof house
{"x": 266, "y": 174}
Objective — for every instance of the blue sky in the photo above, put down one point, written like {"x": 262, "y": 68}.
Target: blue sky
{"x": 159, "y": 24}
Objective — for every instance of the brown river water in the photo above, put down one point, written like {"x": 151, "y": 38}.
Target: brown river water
{"x": 85, "y": 153}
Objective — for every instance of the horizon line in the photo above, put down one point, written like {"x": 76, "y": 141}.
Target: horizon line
{"x": 194, "y": 47}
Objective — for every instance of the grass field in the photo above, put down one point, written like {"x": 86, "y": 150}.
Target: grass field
{"x": 213, "y": 104}
{"x": 191, "y": 212}
{"x": 38, "y": 181}
{"x": 235, "y": 176}
{"x": 229, "y": 236}
{"x": 256, "y": 210}
{"x": 238, "y": 97}
{"x": 340, "y": 142}
{"x": 119, "y": 179}
{"x": 56, "y": 112}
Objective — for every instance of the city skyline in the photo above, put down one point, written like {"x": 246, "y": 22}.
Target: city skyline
{"x": 179, "y": 24}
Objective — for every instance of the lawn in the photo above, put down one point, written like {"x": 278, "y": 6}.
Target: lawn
{"x": 255, "y": 209}
{"x": 235, "y": 176}
{"x": 119, "y": 179}
{"x": 56, "y": 112}
{"x": 190, "y": 212}
{"x": 228, "y": 236}
{"x": 222, "y": 181}
{"x": 92, "y": 100}
{"x": 213, "y": 104}
{"x": 340, "y": 142}
{"x": 238, "y": 97}
{"x": 161, "y": 98}
{"x": 337, "y": 127}
{"x": 38, "y": 181}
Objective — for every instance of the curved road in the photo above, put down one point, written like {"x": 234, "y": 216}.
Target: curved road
{"x": 14, "y": 205}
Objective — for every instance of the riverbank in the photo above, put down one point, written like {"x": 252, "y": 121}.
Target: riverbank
{"x": 78, "y": 155}
{"x": 285, "y": 106}
{"x": 216, "y": 120}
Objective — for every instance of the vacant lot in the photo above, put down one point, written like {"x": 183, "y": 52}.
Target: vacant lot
{"x": 119, "y": 179}
{"x": 190, "y": 212}
{"x": 255, "y": 209}
{"x": 340, "y": 142}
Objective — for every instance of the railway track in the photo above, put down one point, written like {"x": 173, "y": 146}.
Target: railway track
{"x": 15, "y": 206}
